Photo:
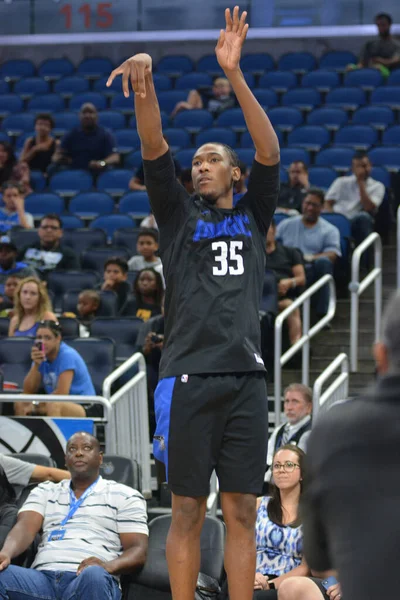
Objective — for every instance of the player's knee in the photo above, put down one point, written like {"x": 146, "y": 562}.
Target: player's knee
{"x": 187, "y": 513}
{"x": 240, "y": 510}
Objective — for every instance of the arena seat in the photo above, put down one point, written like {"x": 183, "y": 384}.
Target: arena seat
{"x": 175, "y": 65}
{"x": 391, "y": 137}
{"x": 47, "y": 103}
{"x": 337, "y": 158}
{"x": 39, "y": 204}
{"x": 366, "y": 79}
{"x": 123, "y": 330}
{"x": 94, "y": 258}
{"x": 82, "y": 239}
{"x": 330, "y": 118}
{"x": 278, "y": 81}
{"x": 18, "y": 123}
{"x": 321, "y": 177}
{"x": 30, "y": 86}
{"x": 91, "y": 204}
{"x": 394, "y": 78}
{"x": 16, "y": 68}
{"x": 24, "y": 237}
{"x": 285, "y": 117}
{"x": 302, "y": 98}
{"x": 4, "y": 137}
{"x": 73, "y": 84}
{"x": 60, "y": 281}
{"x": 133, "y": 160}
{"x": 246, "y": 155}
{"x": 15, "y": 358}
{"x": 267, "y": 98}
{"x": 382, "y": 175}
{"x": 311, "y": 137}
{"x": 38, "y": 180}
{"x": 321, "y": 80}
{"x": 386, "y": 156}
{"x": 19, "y": 144}
{"x": 194, "y": 81}
{"x": 95, "y": 67}
{"x": 359, "y": 137}
{"x": 108, "y": 302}
{"x": 167, "y": 100}
{"x": 10, "y": 103}
{"x": 54, "y": 68}
{"x": 4, "y": 87}
{"x": 337, "y": 60}
{"x": 127, "y": 140}
{"x": 124, "y": 105}
{"x": 184, "y": 157}
{"x": 209, "y": 64}
{"x": 193, "y": 120}
{"x": 249, "y": 79}
{"x": 298, "y": 62}
{"x": 109, "y": 223}
{"x": 257, "y": 63}
{"x": 162, "y": 83}
{"x": 70, "y": 222}
{"x": 114, "y": 181}
{"x": 65, "y": 121}
{"x": 387, "y": 95}
{"x": 71, "y": 181}
{"x": 99, "y": 101}
{"x": 177, "y": 138}
{"x": 222, "y": 135}
{"x": 99, "y": 356}
{"x": 343, "y": 224}
{"x": 69, "y": 327}
{"x": 135, "y": 204}
{"x": 126, "y": 238}
{"x": 99, "y": 85}
{"x": 348, "y": 98}
{"x": 269, "y": 299}
{"x": 121, "y": 469}
{"x": 289, "y": 155}
{"x": 232, "y": 117}
{"x": 379, "y": 117}
{"x": 36, "y": 459}
{"x": 111, "y": 119}
{"x": 284, "y": 175}
{"x": 4, "y": 326}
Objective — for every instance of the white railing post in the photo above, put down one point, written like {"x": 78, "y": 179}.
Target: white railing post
{"x": 306, "y": 347}
{"x": 339, "y": 387}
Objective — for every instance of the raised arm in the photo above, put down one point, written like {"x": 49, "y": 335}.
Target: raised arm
{"x": 228, "y": 52}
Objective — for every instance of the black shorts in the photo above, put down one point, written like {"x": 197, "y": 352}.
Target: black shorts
{"x": 207, "y": 422}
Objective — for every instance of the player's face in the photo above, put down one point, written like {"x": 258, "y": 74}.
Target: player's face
{"x": 312, "y": 207}
{"x": 296, "y": 406}
{"x": 83, "y": 456}
{"x": 146, "y": 246}
{"x": 212, "y": 174}
{"x": 51, "y": 343}
{"x": 283, "y": 478}
{"x": 29, "y": 296}
{"x": 147, "y": 283}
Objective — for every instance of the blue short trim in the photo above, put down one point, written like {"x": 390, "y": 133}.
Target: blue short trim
{"x": 162, "y": 405}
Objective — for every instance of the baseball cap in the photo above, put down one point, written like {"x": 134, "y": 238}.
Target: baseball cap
{"x": 5, "y": 240}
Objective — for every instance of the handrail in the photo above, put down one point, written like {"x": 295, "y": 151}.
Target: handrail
{"x": 122, "y": 369}
{"x": 398, "y": 248}
{"x": 342, "y": 380}
{"x": 53, "y": 398}
{"x": 304, "y": 341}
{"x": 357, "y": 287}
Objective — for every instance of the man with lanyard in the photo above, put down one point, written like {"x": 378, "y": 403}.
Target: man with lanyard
{"x": 92, "y": 530}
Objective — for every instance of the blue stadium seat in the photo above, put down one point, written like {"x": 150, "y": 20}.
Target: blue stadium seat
{"x": 64, "y": 122}
{"x": 10, "y": 103}
{"x": 349, "y": 98}
{"x": 177, "y": 138}
{"x": 278, "y": 217}
{"x": 337, "y": 158}
{"x": 162, "y": 83}
{"x": 394, "y": 78}
{"x": 216, "y": 134}
{"x": 233, "y": 117}
{"x": 38, "y": 181}
{"x": 108, "y": 302}
{"x": 164, "y": 120}
{"x": 39, "y": 204}
{"x": 4, "y": 87}
{"x": 376, "y": 116}
{"x": 387, "y": 95}
{"x": 93, "y": 259}
{"x": 185, "y": 157}
{"x": 47, "y": 103}
{"x": 321, "y": 177}
{"x": 266, "y": 98}
{"x": 278, "y": 81}
{"x": 249, "y": 79}
{"x": 311, "y": 137}
{"x": 115, "y": 181}
{"x": 168, "y": 100}
{"x": 321, "y": 80}
{"x": 30, "y": 86}
{"x": 298, "y": 62}
{"x": 91, "y": 204}
{"x": 124, "y": 105}
{"x": 15, "y": 358}
{"x": 331, "y": 118}
{"x": 111, "y": 119}
{"x": 21, "y": 140}
{"x": 71, "y": 181}
{"x": 81, "y": 239}
{"x": 194, "y": 81}
{"x": 366, "y": 79}
{"x": 24, "y": 237}
{"x": 257, "y": 63}
{"x": 284, "y": 177}
{"x": 123, "y": 330}
{"x": 246, "y": 155}
{"x": 209, "y": 64}
{"x": 193, "y": 120}
{"x": 99, "y": 356}
{"x": 54, "y": 68}
{"x": 382, "y": 175}
{"x": 17, "y": 68}
{"x": 302, "y": 98}
{"x": 73, "y": 84}
{"x": 285, "y": 118}
{"x": 269, "y": 298}
{"x": 391, "y": 137}
{"x": 343, "y": 224}
{"x": 133, "y": 160}
{"x": 100, "y": 86}
{"x": 337, "y": 60}
{"x": 99, "y": 101}
{"x": 95, "y": 67}
{"x": 127, "y": 140}
{"x": 126, "y": 238}
{"x": 18, "y": 123}
{"x": 386, "y": 156}
{"x": 60, "y": 281}
{"x": 359, "y": 137}
{"x": 70, "y": 223}
{"x": 109, "y": 223}
{"x": 175, "y": 65}
{"x": 135, "y": 204}
{"x": 4, "y": 137}
{"x": 289, "y": 155}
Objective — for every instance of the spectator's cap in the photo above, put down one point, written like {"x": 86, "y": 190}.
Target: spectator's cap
{"x": 6, "y": 242}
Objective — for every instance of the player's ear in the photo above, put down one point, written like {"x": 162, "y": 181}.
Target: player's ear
{"x": 236, "y": 174}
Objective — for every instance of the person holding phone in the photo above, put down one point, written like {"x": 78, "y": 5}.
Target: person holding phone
{"x": 58, "y": 368}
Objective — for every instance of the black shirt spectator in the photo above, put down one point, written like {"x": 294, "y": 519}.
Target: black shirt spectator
{"x": 292, "y": 194}
{"x": 39, "y": 149}
{"x": 115, "y": 279}
{"x": 148, "y": 297}
{"x": 282, "y": 260}
{"x": 383, "y": 51}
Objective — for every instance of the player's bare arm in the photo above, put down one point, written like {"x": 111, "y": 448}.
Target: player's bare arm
{"x": 228, "y": 52}
{"x": 137, "y": 71}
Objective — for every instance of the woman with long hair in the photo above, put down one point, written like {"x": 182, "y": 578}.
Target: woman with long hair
{"x": 31, "y": 305}
{"x": 148, "y": 293}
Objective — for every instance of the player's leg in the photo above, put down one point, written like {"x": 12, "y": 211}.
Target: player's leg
{"x": 240, "y": 469}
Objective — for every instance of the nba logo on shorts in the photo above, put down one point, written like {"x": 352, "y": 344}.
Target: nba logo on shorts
{"x": 185, "y": 378}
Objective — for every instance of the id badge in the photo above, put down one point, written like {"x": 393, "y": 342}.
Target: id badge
{"x": 56, "y": 535}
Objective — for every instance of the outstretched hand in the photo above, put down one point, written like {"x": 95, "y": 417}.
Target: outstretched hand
{"x": 134, "y": 70}
{"x": 231, "y": 40}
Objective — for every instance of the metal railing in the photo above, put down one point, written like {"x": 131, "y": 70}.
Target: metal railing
{"x": 398, "y": 248}
{"x": 304, "y": 342}
{"x": 357, "y": 287}
{"x": 53, "y": 398}
{"x": 128, "y": 429}
{"x": 338, "y": 390}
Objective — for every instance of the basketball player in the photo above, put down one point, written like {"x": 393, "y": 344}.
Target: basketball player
{"x": 211, "y": 401}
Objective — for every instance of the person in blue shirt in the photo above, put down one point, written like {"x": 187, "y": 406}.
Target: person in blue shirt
{"x": 58, "y": 368}
{"x": 13, "y": 213}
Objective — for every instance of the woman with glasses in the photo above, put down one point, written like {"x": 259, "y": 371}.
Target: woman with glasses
{"x": 31, "y": 305}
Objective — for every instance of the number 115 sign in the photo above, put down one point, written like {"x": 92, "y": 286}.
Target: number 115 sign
{"x": 87, "y": 16}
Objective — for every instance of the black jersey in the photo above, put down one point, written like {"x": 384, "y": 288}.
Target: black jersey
{"x": 214, "y": 264}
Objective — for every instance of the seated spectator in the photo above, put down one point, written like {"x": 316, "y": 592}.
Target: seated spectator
{"x": 86, "y": 310}
{"x": 383, "y": 53}
{"x": 279, "y": 535}
{"x": 187, "y": 181}
{"x": 148, "y": 292}
{"x": 217, "y": 99}
{"x": 39, "y": 149}
{"x": 297, "y": 405}
{"x": 7, "y": 299}
{"x": 8, "y": 261}
{"x": 308, "y": 588}
{"x": 292, "y": 194}
{"x": 318, "y": 240}
{"x": 88, "y": 146}
{"x": 49, "y": 253}
{"x": 137, "y": 182}
{"x": 58, "y": 368}
{"x": 115, "y": 279}
{"x": 14, "y": 211}
{"x": 22, "y": 175}
{"x": 357, "y": 197}
{"x": 92, "y": 530}
{"x": 287, "y": 264}
{"x": 32, "y": 304}
{"x": 21, "y": 472}
{"x": 147, "y": 248}
{"x": 240, "y": 186}
{"x": 7, "y": 162}
{"x": 8, "y": 506}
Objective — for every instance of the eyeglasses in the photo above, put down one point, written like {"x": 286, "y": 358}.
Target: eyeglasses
{"x": 288, "y": 466}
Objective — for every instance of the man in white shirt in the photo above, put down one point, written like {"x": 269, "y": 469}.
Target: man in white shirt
{"x": 298, "y": 408}
{"x": 357, "y": 197}
{"x": 92, "y": 530}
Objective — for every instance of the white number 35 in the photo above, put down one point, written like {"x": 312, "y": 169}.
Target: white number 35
{"x": 223, "y": 249}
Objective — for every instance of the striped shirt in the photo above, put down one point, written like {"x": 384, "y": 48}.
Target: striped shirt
{"x": 110, "y": 509}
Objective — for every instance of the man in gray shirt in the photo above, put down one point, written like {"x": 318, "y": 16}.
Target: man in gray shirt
{"x": 20, "y": 472}
{"x": 383, "y": 51}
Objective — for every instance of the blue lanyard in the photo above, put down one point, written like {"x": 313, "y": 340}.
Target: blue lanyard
{"x": 75, "y": 503}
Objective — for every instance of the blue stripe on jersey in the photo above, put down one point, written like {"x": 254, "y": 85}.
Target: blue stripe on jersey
{"x": 230, "y": 226}
{"x": 162, "y": 405}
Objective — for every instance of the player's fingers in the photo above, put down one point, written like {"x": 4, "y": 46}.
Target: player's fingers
{"x": 134, "y": 78}
{"x": 113, "y": 75}
{"x": 235, "y": 23}
{"x": 141, "y": 81}
{"x": 244, "y": 33}
{"x": 221, "y": 39}
{"x": 242, "y": 22}
{"x": 125, "y": 81}
{"x": 228, "y": 20}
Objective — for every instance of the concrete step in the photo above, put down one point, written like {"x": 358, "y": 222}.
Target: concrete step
{"x": 339, "y": 334}
{"x": 365, "y": 365}
{"x": 330, "y": 351}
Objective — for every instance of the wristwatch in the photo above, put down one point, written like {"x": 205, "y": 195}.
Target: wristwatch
{"x": 103, "y": 163}
{"x": 294, "y": 283}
